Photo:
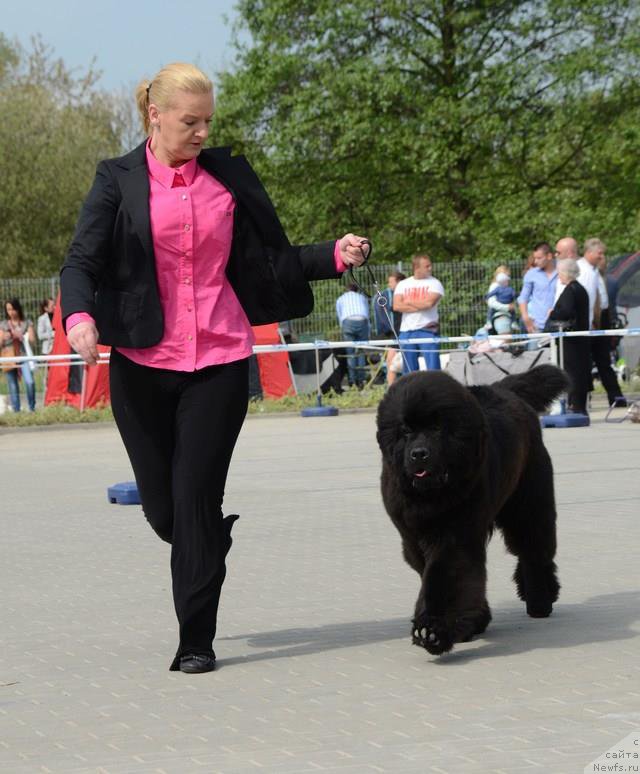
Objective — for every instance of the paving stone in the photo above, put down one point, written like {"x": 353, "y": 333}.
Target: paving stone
{"x": 316, "y": 669}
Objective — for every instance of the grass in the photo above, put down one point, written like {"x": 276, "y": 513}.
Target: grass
{"x": 60, "y": 414}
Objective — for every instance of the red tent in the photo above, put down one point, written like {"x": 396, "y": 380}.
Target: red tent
{"x": 274, "y": 366}
{"x": 64, "y": 382}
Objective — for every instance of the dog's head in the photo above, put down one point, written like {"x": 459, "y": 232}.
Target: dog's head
{"x": 432, "y": 433}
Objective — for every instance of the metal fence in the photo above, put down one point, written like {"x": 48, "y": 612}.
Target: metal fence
{"x": 30, "y": 292}
{"x": 462, "y": 311}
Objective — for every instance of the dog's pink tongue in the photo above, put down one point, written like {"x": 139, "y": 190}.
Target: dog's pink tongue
{"x": 421, "y": 473}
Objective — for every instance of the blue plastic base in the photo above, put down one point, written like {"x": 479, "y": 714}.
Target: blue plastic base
{"x": 125, "y": 493}
{"x": 565, "y": 420}
{"x": 319, "y": 411}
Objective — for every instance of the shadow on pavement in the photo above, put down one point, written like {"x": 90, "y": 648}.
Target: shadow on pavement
{"x": 604, "y": 618}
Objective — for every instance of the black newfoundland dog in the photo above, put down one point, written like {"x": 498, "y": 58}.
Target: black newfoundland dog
{"x": 457, "y": 461}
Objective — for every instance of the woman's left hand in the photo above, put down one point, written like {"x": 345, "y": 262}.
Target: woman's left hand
{"x": 350, "y": 250}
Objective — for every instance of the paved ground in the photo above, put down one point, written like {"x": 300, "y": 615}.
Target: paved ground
{"x": 316, "y": 669}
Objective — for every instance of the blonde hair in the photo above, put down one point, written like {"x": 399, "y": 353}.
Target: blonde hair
{"x": 177, "y": 76}
{"x": 502, "y": 268}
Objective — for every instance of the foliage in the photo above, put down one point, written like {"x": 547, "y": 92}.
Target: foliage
{"x": 465, "y": 127}
{"x": 56, "y": 125}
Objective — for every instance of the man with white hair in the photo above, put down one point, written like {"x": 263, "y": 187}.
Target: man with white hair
{"x": 592, "y": 281}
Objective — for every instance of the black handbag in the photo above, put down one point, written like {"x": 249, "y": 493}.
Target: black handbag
{"x": 557, "y": 326}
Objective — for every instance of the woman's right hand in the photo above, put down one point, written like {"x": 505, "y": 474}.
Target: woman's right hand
{"x": 83, "y": 338}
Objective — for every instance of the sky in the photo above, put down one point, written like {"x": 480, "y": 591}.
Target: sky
{"x": 130, "y": 39}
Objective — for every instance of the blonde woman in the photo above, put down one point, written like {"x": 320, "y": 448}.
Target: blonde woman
{"x": 177, "y": 251}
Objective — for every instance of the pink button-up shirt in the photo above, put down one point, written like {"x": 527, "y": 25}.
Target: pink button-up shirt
{"x": 192, "y": 229}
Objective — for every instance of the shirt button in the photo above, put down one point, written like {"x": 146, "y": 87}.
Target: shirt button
{"x": 186, "y": 226}
{"x": 189, "y": 337}
{"x": 184, "y": 197}
{"x": 189, "y": 309}
{"x": 187, "y": 280}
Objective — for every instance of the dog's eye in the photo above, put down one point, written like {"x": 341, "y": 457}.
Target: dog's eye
{"x": 405, "y": 429}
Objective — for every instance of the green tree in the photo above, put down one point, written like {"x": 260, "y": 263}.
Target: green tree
{"x": 466, "y": 127}
{"x": 55, "y": 126}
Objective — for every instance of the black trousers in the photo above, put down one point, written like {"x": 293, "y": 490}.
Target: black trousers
{"x": 577, "y": 363}
{"x": 179, "y": 430}
{"x": 601, "y": 354}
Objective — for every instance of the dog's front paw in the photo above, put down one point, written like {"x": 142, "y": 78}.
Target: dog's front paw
{"x": 432, "y": 633}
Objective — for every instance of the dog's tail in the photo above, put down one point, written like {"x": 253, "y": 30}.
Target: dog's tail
{"x": 538, "y": 387}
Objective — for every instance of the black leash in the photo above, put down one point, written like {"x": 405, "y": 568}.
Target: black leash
{"x": 380, "y": 300}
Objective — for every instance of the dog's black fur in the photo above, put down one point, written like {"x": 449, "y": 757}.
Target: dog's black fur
{"x": 457, "y": 461}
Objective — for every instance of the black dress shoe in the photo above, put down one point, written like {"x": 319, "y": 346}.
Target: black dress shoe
{"x": 194, "y": 663}
{"x": 620, "y": 401}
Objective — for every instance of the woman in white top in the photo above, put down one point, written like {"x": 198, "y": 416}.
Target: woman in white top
{"x": 44, "y": 328}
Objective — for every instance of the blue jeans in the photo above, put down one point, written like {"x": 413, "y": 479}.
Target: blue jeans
{"x": 356, "y": 329}
{"x": 14, "y": 388}
{"x": 412, "y": 351}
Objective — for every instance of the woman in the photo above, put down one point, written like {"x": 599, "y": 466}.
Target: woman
{"x": 183, "y": 250}
{"x": 571, "y": 313}
{"x": 17, "y": 337}
{"x": 46, "y": 334}
{"x": 44, "y": 327}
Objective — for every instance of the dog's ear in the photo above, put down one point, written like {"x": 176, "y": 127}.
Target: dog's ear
{"x": 385, "y": 437}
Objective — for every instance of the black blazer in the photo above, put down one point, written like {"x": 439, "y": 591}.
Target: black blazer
{"x": 110, "y": 269}
{"x": 571, "y": 307}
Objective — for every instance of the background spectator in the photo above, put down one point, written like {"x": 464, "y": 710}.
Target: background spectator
{"x": 353, "y": 315}
{"x": 538, "y": 289}
{"x": 18, "y": 335}
{"x": 571, "y": 313}
{"x": 592, "y": 281}
{"x": 501, "y": 302}
{"x": 44, "y": 328}
{"x": 417, "y": 297}
{"x": 383, "y": 327}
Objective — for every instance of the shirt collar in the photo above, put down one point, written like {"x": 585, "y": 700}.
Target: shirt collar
{"x": 164, "y": 174}
{"x": 542, "y": 271}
